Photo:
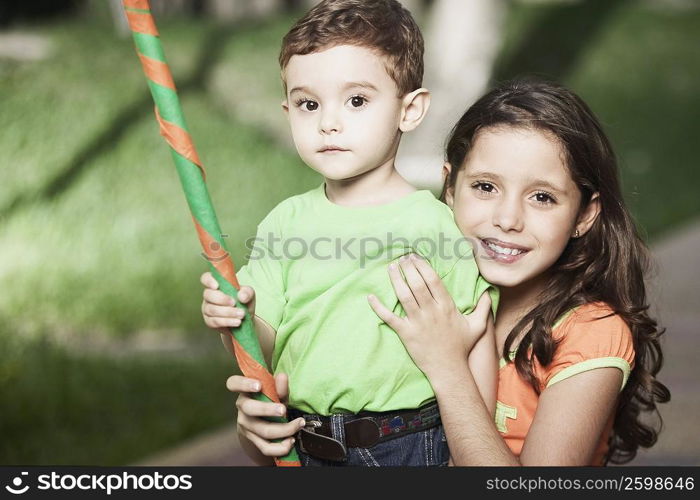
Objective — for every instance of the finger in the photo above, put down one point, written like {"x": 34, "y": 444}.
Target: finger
{"x": 282, "y": 386}
{"x": 219, "y": 317}
{"x": 255, "y": 408}
{"x": 222, "y": 325}
{"x": 222, "y": 311}
{"x": 395, "y": 322}
{"x": 207, "y": 279}
{"x": 271, "y": 449}
{"x": 415, "y": 282}
{"x": 272, "y": 430}
{"x": 480, "y": 315}
{"x": 403, "y": 292}
{"x": 247, "y": 296}
{"x": 432, "y": 279}
{"x": 218, "y": 298}
{"x": 238, "y": 383}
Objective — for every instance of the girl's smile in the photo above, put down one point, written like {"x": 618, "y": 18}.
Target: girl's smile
{"x": 504, "y": 252}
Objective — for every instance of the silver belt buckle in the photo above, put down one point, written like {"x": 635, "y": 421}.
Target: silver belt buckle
{"x": 309, "y": 426}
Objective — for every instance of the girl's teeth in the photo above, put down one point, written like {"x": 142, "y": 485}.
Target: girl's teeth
{"x": 504, "y": 251}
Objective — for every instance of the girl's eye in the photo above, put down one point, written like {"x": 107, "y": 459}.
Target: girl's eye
{"x": 307, "y": 104}
{"x": 357, "y": 101}
{"x": 544, "y": 198}
{"x": 484, "y": 187}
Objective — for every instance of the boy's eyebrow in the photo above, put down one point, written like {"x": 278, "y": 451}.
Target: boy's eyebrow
{"x": 347, "y": 86}
{"x": 300, "y": 89}
{"x": 363, "y": 85}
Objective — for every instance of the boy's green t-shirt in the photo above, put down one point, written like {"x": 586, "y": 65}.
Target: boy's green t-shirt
{"x": 312, "y": 266}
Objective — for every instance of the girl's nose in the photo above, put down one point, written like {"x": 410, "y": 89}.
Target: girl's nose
{"x": 508, "y": 215}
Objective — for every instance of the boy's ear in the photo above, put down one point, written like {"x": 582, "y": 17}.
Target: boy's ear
{"x": 414, "y": 106}
{"x": 285, "y": 107}
{"x": 448, "y": 190}
{"x": 588, "y": 216}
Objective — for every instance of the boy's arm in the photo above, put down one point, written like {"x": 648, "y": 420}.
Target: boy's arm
{"x": 266, "y": 337}
{"x": 483, "y": 364}
{"x": 263, "y": 275}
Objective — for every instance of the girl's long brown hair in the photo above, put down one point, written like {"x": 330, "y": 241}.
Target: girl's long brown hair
{"x": 606, "y": 264}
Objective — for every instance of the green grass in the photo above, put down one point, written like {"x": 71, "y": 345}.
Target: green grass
{"x": 52, "y": 108}
{"x": 116, "y": 251}
{"x": 254, "y": 97}
{"x": 63, "y": 408}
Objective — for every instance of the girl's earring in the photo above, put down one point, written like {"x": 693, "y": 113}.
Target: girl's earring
{"x": 577, "y": 234}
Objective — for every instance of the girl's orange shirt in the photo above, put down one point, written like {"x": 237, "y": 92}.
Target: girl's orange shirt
{"x": 590, "y": 336}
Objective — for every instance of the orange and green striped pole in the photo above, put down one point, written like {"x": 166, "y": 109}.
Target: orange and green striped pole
{"x": 192, "y": 177}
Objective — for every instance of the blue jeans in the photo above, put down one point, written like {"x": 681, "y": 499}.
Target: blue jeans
{"x": 422, "y": 448}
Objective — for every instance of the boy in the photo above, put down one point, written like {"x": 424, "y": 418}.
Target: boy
{"x": 352, "y": 72}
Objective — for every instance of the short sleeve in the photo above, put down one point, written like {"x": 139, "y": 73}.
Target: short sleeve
{"x": 264, "y": 272}
{"x": 466, "y": 286}
{"x": 591, "y": 337}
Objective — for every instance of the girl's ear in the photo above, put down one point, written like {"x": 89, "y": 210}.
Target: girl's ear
{"x": 448, "y": 190}
{"x": 588, "y": 216}
{"x": 285, "y": 107}
{"x": 414, "y": 106}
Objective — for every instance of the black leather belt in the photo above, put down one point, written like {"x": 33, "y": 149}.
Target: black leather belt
{"x": 362, "y": 430}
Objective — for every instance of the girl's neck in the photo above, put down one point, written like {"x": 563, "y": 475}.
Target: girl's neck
{"x": 515, "y": 302}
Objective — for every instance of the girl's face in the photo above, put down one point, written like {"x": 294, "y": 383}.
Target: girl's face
{"x": 514, "y": 198}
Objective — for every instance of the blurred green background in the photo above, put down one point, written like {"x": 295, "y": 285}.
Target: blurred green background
{"x": 103, "y": 355}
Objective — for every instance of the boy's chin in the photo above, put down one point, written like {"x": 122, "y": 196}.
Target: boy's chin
{"x": 339, "y": 175}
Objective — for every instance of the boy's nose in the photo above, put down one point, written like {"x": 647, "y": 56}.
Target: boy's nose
{"x": 329, "y": 123}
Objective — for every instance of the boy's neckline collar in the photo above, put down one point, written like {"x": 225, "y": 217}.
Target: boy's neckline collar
{"x": 409, "y": 198}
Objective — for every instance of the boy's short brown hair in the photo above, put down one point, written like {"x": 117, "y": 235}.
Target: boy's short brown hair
{"x": 382, "y": 25}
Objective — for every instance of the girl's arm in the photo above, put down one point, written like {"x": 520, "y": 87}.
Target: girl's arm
{"x": 570, "y": 418}
{"x": 483, "y": 364}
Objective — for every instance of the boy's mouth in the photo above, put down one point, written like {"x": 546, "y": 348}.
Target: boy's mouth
{"x": 503, "y": 252}
{"x": 332, "y": 148}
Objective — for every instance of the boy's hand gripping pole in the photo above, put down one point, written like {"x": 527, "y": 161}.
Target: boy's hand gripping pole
{"x": 192, "y": 176}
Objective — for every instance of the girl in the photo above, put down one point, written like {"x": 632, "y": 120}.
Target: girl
{"x": 533, "y": 181}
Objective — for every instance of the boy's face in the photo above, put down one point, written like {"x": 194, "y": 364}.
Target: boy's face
{"x": 344, "y": 110}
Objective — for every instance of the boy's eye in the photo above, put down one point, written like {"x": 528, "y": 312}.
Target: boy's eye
{"x": 310, "y": 105}
{"x": 357, "y": 101}
{"x": 307, "y": 104}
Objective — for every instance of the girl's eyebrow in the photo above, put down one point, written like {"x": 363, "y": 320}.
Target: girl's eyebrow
{"x": 483, "y": 174}
{"x": 548, "y": 185}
